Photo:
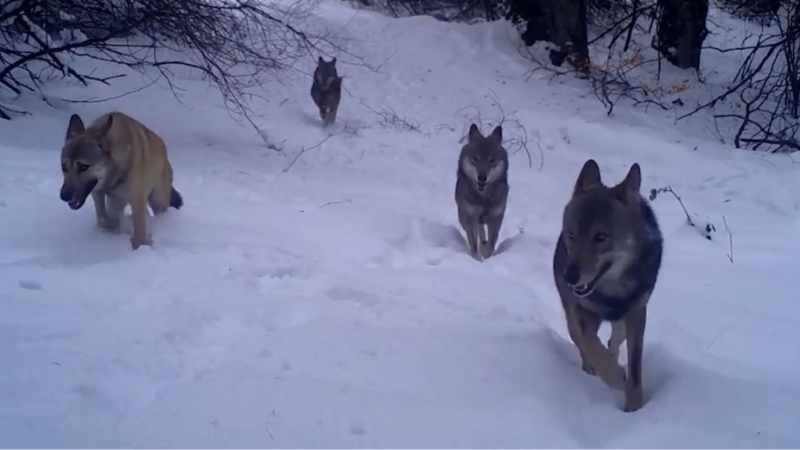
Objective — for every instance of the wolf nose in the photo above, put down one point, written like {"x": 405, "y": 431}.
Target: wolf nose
{"x": 481, "y": 178}
{"x": 66, "y": 193}
{"x": 572, "y": 274}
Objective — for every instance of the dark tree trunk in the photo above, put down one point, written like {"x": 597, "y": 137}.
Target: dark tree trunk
{"x": 561, "y": 22}
{"x": 681, "y": 31}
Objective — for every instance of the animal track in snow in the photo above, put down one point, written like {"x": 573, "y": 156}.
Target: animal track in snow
{"x": 348, "y": 294}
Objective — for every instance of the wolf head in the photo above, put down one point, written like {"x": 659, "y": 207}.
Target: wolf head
{"x": 602, "y": 228}
{"x": 84, "y": 160}
{"x": 483, "y": 159}
{"x": 326, "y": 74}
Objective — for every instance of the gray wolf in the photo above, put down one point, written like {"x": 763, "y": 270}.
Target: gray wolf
{"x": 482, "y": 189}
{"x": 605, "y": 265}
{"x": 118, "y": 161}
{"x": 326, "y": 91}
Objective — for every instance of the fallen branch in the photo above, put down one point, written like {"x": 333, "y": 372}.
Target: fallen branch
{"x": 304, "y": 150}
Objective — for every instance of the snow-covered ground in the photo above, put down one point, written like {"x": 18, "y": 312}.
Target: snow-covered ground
{"x": 334, "y": 305}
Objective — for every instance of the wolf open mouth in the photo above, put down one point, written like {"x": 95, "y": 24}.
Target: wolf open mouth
{"x": 585, "y": 290}
{"x": 480, "y": 187}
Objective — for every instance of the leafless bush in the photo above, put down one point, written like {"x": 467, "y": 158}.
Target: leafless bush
{"x": 390, "y": 119}
{"x": 236, "y": 45}
{"x": 766, "y": 89}
{"x": 445, "y": 10}
{"x": 760, "y": 11}
{"x": 704, "y": 227}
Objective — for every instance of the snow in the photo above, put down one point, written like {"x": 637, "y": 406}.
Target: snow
{"x": 333, "y": 304}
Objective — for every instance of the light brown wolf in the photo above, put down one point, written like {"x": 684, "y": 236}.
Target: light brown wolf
{"x": 118, "y": 161}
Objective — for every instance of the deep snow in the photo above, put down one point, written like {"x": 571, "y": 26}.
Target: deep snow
{"x": 334, "y": 305}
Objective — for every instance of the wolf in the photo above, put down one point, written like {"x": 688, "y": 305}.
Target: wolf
{"x": 326, "y": 91}
{"x": 118, "y": 161}
{"x": 606, "y": 263}
{"x": 482, "y": 189}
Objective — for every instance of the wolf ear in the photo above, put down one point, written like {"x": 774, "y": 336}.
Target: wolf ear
{"x": 497, "y": 134}
{"x": 474, "y": 133}
{"x": 320, "y": 61}
{"x": 333, "y": 61}
{"x": 631, "y": 184}
{"x": 75, "y": 127}
{"x": 633, "y": 181}
{"x": 106, "y": 126}
{"x": 589, "y": 178}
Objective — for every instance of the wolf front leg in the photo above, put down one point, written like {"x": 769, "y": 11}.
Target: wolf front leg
{"x": 635, "y": 323}
{"x": 617, "y": 338}
{"x": 600, "y": 359}
{"x": 493, "y": 224}
{"x": 139, "y": 213}
{"x": 470, "y": 229}
{"x": 100, "y": 210}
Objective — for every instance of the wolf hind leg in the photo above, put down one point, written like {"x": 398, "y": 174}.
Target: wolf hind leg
{"x": 160, "y": 198}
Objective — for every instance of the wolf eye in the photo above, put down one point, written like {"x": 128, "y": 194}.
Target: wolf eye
{"x": 600, "y": 237}
{"x": 474, "y": 160}
{"x": 570, "y": 236}
{"x": 492, "y": 161}
{"x": 63, "y": 167}
{"x": 82, "y": 167}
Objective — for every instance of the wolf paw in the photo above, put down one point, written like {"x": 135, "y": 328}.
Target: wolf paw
{"x": 136, "y": 243}
{"x": 486, "y": 250}
{"x": 107, "y": 223}
{"x": 633, "y": 403}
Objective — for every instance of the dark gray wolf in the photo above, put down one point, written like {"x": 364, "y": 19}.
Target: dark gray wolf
{"x": 482, "y": 189}
{"x": 606, "y": 264}
{"x": 118, "y": 161}
{"x": 326, "y": 91}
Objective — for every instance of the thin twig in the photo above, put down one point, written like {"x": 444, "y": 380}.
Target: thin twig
{"x": 303, "y": 150}
{"x": 730, "y": 239}
{"x": 336, "y": 203}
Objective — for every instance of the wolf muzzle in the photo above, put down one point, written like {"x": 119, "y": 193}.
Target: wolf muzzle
{"x": 76, "y": 198}
{"x": 572, "y": 276}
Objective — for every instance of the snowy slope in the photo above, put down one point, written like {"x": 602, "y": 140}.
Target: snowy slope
{"x": 334, "y": 305}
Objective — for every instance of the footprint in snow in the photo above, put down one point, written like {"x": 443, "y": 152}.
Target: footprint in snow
{"x": 30, "y": 285}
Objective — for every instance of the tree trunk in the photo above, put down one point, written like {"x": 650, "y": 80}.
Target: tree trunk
{"x": 681, "y": 31}
{"x": 561, "y": 22}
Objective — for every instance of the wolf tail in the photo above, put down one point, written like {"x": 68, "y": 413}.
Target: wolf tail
{"x": 175, "y": 199}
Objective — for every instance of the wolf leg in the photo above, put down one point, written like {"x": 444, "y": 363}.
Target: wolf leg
{"x": 493, "y": 224}
{"x": 469, "y": 229}
{"x": 100, "y": 211}
{"x": 617, "y": 338}
{"x": 635, "y": 323}
{"x": 139, "y": 213}
{"x": 607, "y": 368}
{"x": 574, "y": 328}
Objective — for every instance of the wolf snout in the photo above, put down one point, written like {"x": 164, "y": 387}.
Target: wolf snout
{"x": 482, "y": 179}
{"x": 66, "y": 193}
{"x": 572, "y": 274}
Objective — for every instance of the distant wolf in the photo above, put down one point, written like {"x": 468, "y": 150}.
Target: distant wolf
{"x": 605, "y": 265}
{"x": 326, "y": 91}
{"x": 119, "y": 161}
{"x": 482, "y": 189}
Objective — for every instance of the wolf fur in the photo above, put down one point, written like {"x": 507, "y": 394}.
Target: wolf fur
{"x": 326, "y": 91}
{"x": 605, "y": 265}
{"x": 482, "y": 189}
{"x": 118, "y": 161}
